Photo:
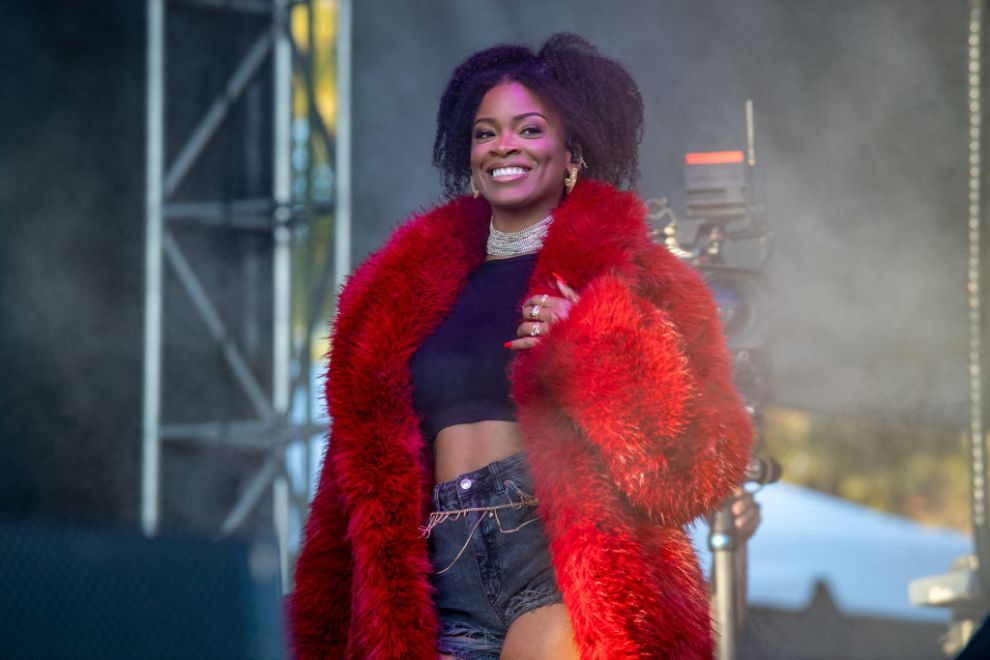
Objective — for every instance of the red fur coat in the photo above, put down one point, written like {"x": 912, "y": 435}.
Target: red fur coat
{"x": 631, "y": 428}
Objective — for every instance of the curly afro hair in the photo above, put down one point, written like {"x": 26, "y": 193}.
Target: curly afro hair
{"x": 597, "y": 98}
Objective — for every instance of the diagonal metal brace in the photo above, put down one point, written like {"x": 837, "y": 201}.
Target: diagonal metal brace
{"x": 252, "y": 493}
{"x": 214, "y": 117}
{"x": 211, "y": 317}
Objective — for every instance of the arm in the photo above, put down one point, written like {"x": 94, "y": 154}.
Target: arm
{"x": 649, "y": 385}
{"x": 319, "y": 606}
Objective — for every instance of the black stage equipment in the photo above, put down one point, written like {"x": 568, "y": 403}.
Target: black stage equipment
{"x": 80, "y": 593}
{"x": 763, "y": 470}
{"x": 719, "y": 190}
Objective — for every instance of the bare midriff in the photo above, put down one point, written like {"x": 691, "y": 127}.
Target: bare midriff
{"x": 467, "y": 447}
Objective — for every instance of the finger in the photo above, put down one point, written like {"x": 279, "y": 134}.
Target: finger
{"x": 562, "y": 311}
{"x": 545, "y": 314}
{"x": 746, "y": 518}
{"x": 742, "y": 497}
{"x": 748, "y": 530}
{"x": 741, "y": 506}
{"x": 565, "y": 289}
{"x": 541, "y": 299}
{"x": 531, "y": 312}
{"x": 545, "y": 301}
{"x": 531, "y": 329}
{"x": 522, "y": 343}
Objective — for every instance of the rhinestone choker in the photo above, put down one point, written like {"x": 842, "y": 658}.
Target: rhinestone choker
{"x": 508, "y": 244}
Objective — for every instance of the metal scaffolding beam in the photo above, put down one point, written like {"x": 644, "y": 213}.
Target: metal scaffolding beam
{"x": 283, "y": 416}
{"x": 154, "y": 167}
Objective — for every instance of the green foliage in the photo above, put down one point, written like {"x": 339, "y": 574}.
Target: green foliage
{"x": 917, "y": 471}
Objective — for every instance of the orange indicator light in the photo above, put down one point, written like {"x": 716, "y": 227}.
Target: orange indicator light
{"x": 714, "y": 157}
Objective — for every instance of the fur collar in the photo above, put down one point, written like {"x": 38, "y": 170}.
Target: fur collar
{"x": 417, "y": 277}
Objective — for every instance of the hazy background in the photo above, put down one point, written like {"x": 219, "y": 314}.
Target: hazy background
{"x": 71, "y": 257}
{"x": 861, "y": 128}
{"x": 861, "y": 140}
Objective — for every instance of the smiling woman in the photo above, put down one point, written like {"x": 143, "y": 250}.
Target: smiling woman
{"x": 530, "y": 398}
{"x": 519, "y": 156}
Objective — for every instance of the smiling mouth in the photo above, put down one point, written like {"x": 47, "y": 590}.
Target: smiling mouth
{"x": 507, "y": 173}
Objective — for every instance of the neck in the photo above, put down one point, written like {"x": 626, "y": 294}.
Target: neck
{"x": 507, "y": 244}
{"x": 511, "y": 221}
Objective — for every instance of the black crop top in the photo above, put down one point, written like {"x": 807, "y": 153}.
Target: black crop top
{"x": 459, "y": 374}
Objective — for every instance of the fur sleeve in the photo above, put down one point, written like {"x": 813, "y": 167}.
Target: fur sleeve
{"x": 319, "y": 606}
{"x": 320, "y": 603}
{"x": 652, "y": 394}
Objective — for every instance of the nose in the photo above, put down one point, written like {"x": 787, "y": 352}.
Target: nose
{"x": 504, "y": 145}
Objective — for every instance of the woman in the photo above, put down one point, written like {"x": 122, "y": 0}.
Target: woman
{"x": 452, "y": 519}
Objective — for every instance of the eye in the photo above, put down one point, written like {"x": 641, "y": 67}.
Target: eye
{"x": 483, "y": 134}
{"x": 532, "y": 130}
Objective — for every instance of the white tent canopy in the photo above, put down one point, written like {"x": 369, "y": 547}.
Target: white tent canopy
{"x": 866, "y": 558}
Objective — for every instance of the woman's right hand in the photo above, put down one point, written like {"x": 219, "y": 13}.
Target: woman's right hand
{"x": 539, "y": 313}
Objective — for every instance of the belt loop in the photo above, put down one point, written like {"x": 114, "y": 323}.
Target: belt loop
{"x": 436, "y": 496}
{"x": 497, "y": 478}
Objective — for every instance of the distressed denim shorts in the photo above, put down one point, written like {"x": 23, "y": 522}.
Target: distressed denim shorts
{"x": 489, "y": 566}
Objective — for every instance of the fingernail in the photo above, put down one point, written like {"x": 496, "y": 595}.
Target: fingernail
{"x": 507, "y": 344}
{"x": 558, "y": 277}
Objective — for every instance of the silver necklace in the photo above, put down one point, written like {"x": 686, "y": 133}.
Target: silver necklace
{"x": 508, "y": 244}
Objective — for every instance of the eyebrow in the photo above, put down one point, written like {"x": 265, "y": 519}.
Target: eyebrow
{"x": 514, "y": 119}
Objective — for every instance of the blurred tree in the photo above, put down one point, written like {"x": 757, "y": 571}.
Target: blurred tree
{"x": 894, "y": 465}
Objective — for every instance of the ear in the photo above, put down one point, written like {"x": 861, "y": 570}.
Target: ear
{"x": 576, "y": 153}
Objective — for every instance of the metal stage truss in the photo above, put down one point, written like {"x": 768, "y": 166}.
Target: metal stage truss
{"x": 282, "y": 420}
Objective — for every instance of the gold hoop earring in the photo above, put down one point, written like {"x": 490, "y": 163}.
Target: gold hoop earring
{"x": 571, "y": 179}
{"x": 474, "y": 189}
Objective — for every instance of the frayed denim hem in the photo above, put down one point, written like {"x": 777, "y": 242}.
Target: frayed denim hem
{"x": 467, "y": 642}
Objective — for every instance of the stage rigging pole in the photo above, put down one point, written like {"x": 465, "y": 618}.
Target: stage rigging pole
{"x": 977, "y": 442}
{"x": 281, "y": 267}
{"x": 965, "y": 588}
{"x": 151, "y": 404}
{"x": 270, "y": 421}
{"x": 342, "y": 227}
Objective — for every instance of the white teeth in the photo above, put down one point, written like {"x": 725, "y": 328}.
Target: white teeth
{"x": 507, "y": 171}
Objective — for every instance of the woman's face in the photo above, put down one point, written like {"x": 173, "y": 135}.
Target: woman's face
{"x": 519, "y": 152}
